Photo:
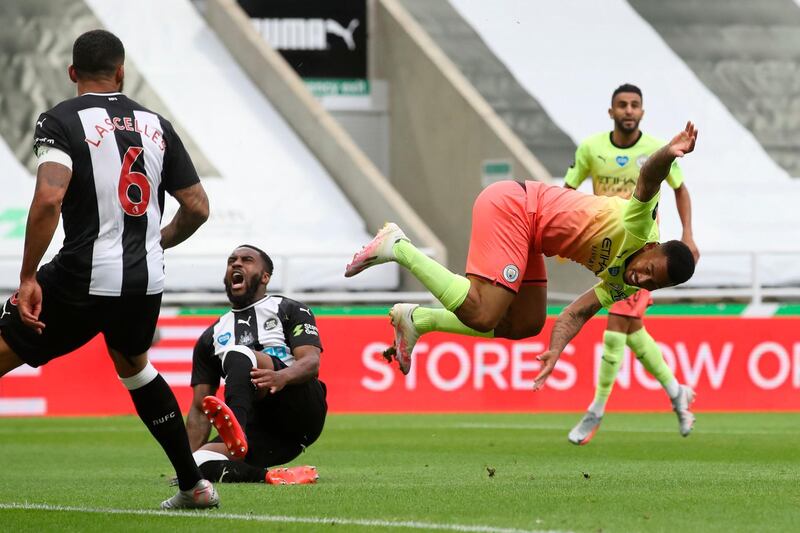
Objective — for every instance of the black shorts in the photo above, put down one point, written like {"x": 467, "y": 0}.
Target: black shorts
{"x": 127, "y": 322}
{"x": 285, "y": 423}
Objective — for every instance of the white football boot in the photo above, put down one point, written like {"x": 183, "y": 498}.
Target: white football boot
{"x": 583, "y": 432}
{"x": 202, "y": 496}
{"x": 405, "y": 334}
{"x": 377, "y": 251}
{"x": 680, "y": 404}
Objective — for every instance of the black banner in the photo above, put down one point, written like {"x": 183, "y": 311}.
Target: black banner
{"x": 319, "y": 38}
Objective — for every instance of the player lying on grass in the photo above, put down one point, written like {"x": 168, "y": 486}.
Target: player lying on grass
{"x": 267, "y": 348}
{"x": 514, "y": 225}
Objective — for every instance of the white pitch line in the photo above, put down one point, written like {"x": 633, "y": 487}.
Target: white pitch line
{"x": 273, "y": 518}
{"x": 477, "y": 425}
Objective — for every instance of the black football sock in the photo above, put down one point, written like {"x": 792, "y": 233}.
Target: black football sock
{"x": 157, "y": 407}
{"x": 239, "y": 390}
{"x": 232, "y": 472}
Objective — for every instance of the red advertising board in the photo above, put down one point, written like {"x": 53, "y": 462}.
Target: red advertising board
{"x": 736, "y": 364}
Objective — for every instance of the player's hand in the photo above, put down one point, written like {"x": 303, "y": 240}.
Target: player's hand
{"x": 688, "y": 241}
{"x": 30, "y": 304}
{"x": 549, "y": 360}
{"x": 683, "y": 143}
{"x": 264, "y": 378}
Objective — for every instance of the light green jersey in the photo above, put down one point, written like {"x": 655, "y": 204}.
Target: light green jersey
{"x": 614, "y": 170}
{"x": 638, "y": 227}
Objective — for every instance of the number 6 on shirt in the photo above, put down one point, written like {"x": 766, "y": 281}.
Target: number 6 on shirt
{"x": 127, "y": 179}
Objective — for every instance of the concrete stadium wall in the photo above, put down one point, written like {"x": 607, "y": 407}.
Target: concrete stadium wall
{"x": 370, "y": 192}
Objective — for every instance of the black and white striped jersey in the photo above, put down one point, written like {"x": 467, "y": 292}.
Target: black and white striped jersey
{"x": 124, "y": 158}
{"x": 274, "y": 325}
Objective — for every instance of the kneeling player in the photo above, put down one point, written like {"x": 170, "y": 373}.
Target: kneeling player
{"x": 268, "y": 350}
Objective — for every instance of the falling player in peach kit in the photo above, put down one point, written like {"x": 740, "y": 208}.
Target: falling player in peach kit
{"x": 514, "y": 226}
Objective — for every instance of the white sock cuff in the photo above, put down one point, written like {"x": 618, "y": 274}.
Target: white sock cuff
{"x": 145, "y": 376}
{"x": 203, "y": 456}
{"x": 244, "y": 350}
{"x": 672, "y": 388}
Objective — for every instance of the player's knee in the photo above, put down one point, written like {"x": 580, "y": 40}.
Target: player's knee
{"x": 534, "y": 326}
{"x": 264, "y": 361}
{"x": 613, "y": 346}
{"x": 239, "y": 353}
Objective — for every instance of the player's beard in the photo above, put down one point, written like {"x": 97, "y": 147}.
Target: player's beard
{"x": 249, "y": 296}
{"x": 620, "y": 124}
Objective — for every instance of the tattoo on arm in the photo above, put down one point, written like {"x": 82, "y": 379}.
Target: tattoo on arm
{"x": 571, "y": 320}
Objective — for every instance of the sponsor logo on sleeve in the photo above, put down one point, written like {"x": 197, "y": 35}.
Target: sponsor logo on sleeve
{"x": 308, "y": 329}
{"x": 270, "y": 323}
{"x": 224, "y": 338}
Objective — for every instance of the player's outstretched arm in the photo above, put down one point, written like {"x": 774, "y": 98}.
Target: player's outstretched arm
{"x": 197, "y": 425}
{"x": 192, "y": 213}
{"x": 657, "y": 167}
{"x": 567, "y": 325}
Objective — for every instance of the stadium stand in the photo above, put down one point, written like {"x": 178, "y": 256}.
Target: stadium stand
{"x": 746, "y": 53}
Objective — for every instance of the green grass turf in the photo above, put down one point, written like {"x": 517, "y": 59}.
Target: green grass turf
{"x": 737, "y": 472}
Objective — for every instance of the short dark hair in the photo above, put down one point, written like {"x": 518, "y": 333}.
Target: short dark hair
{"x": 626, "y": 88}
{"x": 97, "y": 53}
{"x": 680, "y": 261}
{"x": 268, "y": 266}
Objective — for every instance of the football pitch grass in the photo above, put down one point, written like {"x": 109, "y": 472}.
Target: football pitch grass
{"x": 496, "y": 473}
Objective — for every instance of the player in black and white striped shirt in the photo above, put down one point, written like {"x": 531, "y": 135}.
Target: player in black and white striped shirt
{"x": 267, "y": 347}
{"x": 105, "y": 163}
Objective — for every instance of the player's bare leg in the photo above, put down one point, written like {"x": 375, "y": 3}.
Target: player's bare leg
{"x": 485, "y": 305}
{"x": 526, "y": 315}
{"x": 157, "y": 407}
{"x": 8, "y": 359}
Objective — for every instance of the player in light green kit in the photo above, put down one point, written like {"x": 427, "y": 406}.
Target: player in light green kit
{"x": 613, "y": 161}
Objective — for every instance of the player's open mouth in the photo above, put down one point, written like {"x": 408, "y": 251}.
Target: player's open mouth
{"x": 237, "y": 280}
